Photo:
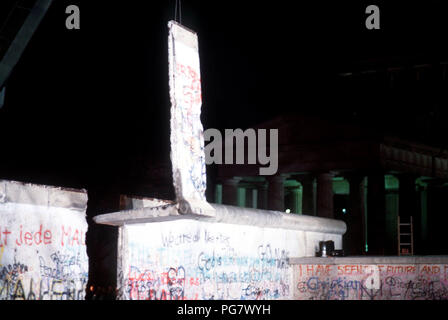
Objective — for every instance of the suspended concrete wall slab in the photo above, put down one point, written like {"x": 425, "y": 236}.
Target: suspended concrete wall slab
{"x": 235, "y": 254}
{"x": 42, "y": 242}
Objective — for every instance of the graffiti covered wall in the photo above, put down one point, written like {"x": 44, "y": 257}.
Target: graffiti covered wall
{"x": 192, "y": 260}
{"x": 238, "y": 254}
{"x": 187, "y": 138}
{"x": 416, "y": 281}
{"x": 42, "y": 247}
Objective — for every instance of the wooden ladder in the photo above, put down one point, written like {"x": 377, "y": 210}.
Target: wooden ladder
{"x": 406, "y": 246}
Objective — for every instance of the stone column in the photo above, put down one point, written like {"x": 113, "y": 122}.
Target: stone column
{"x": 262, "y": 199}
{"x": 230, "y": 191}
{"x": 249, "y": 197}
{"x": 376, "y": 214}
{"x": 354, "y": 238}
{"x": 293, "y": 199}
{"x": 324, "y": 190}
{"x": 297, "y": 203}
{"x": 276, "y": 193}
{"x": 424, "y": 192}
{"x": 255, "y": 198}
{"x": 308, "y": 194}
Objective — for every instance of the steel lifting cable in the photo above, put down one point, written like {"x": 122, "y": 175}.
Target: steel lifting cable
{"x": 178, "y": 11}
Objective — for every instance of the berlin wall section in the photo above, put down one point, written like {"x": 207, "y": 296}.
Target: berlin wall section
{"x": 237, "y": 254}
{"x": 42, "y": 242}
{"x": 371, "y": 278}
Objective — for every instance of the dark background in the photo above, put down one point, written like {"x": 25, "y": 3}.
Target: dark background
{"x": 86, "y": 107}
{"x": 89, "y": 108}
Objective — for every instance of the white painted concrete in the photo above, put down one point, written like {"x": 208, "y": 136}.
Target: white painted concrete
{"x": 237, "y": 253}
{"x": 42, "y": 242}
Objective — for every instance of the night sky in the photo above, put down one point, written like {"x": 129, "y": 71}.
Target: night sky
{"x": 82, "y": 105}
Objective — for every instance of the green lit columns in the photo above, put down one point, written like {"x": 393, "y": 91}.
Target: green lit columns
{"x": 423, "y": 186}
{"x": 284, "y": 194}
{"x": 392, "y": 190}
{"x": 316, "y": 194}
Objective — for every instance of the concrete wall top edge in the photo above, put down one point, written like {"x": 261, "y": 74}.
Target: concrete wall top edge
{"x": 140, "y": 215}
{"x": 230, "y": 215}
{"x": 42, "y": 195}
{"x": 366, "y": 260}
{"x": 276, "y": 219}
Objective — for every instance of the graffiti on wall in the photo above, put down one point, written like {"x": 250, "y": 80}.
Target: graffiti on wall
{"x": 43, "y": 256}
{"x": 187, "y": 138}
{"x": 207, "y": 262}
{"x": 372, "y": 282}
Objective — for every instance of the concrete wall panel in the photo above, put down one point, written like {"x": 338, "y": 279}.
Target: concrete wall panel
{"x": 42, "y": 247}
{"x": 188, "y": 259}
{"x": 413, "y": 280}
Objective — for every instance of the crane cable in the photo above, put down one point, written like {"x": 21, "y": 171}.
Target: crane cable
{"x": 178, "y": 11}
